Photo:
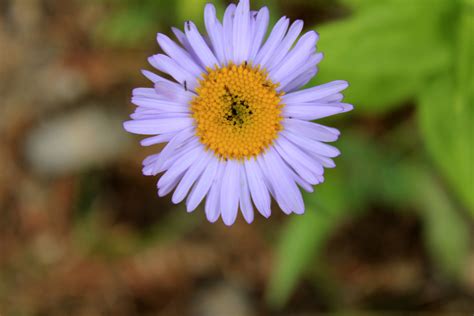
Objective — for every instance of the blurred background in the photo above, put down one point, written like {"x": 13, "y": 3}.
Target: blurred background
{"x": 82, "y": 232}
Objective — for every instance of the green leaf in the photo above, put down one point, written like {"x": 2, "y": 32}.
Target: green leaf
{"x": 300, "y": 242}
{"x": 193, "y": 10}
{"x": 130, "y": 22}
{"x": 386, "y": 50}
{"x": 446, "y": 123}
{"x": 446, "y": 115}
{"x": 446, "y": 232}
{"x": 304, "y": 236}
{"x": 273, "y": 7}
{"x": 366, "y": 172}
{"x": 360, "y": 4}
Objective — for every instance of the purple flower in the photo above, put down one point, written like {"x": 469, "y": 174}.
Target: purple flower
{"x": 238, "y": 130}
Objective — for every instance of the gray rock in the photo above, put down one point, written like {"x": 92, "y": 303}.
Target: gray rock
{"x": 76, "y": 140}
{"x": 222, "y": 299}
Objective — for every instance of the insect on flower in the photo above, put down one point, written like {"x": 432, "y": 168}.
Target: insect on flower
{"x": 237, "y": 127}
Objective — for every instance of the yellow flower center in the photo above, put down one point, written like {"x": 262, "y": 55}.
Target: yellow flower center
{"x": 237, "y": 111}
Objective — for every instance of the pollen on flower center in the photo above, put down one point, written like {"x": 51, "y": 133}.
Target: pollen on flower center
{"x": 237, "y": 111}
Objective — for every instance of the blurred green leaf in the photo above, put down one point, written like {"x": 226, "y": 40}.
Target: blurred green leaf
{"x": 447, "y": 123}
{"x": 304, "y": 236}
{"x": 368, "y": 173}
{"x": 273, "y": 7}
{"x": 126, "y": 27}
{"x": 446, "y": 115}
{"x": 130, "y": 22}
{"x": 365, "y": 173}
{"x": 171, "y": 228}
{"x": 193, "y": 10}
{"x": 446, "y": 233}
{"x": 360, "y": 4}
{"x": 302, "y": 239}
{"x": 386, "y": 50}
{"x": 93, "y": 237}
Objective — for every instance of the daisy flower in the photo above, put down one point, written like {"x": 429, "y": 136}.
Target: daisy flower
{"x": 237, "y": 129}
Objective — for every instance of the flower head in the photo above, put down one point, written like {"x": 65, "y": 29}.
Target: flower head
{"x": 238, "y": 130}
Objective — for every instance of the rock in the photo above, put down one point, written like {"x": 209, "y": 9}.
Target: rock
{"x": 222, "y": 299}
{"x": 69, "y": 85}
{"x": 77, "y": 140}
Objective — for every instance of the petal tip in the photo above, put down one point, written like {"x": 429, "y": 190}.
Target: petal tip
{"x": 228, "y": 222}
{"x": 264, "y": 10}
{"x": 249, "y": 220}
{"x": 160, "y": 37}
{"x": 210, "y": 7}
{"x": 126, "y": 126}
{"x": 212, "y": 219}
{"x": 266, "y": 213}
{"x": 161, "y": 193}
{"x": 347, "y": 107}
{"x": 190, "y": 208}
